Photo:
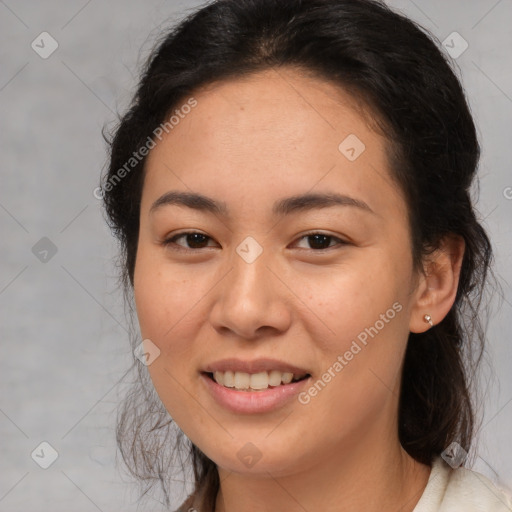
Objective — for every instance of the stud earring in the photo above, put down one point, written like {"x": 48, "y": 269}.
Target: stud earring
{"x": 428, "y": 319}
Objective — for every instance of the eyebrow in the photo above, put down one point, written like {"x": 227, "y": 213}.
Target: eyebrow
{"x": 286, "y": 206}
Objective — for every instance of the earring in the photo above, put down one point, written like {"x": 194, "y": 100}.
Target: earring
{"x": 428, "y": 319}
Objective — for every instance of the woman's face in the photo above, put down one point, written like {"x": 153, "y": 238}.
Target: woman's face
{"x": 313, "y": 283}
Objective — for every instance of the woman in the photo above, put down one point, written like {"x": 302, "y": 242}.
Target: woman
{"x": 290, "y": 188}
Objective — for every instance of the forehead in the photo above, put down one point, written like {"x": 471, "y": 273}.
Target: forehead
{"x": 282, "y": 108}
{"x": 276, "y": 130}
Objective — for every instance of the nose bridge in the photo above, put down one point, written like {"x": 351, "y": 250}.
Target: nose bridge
{"x": 250, "y": 277}
{"x": 250, "y": 297}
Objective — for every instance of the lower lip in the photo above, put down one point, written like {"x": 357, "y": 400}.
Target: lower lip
{"x": 253, "y": 401}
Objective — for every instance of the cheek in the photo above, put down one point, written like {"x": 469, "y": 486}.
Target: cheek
{"x": 169, "y": 305}
{"x": 362, "y": 305}
{"x": 159, "y": 298}
{"x": 165, "y": 310}
{"x": 353, "y": 295}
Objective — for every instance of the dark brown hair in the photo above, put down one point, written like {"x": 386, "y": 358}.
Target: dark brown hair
{"x": 393, "y": 67}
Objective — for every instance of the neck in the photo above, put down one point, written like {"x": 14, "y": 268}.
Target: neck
{"x": 368, "y": 478}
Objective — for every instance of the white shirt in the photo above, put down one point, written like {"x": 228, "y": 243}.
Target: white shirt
{"x": 447, "y": 490}
{"x": 461, "y": 490}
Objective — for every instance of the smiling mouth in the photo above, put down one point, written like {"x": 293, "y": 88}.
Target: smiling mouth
{"x": 241, "y": 381}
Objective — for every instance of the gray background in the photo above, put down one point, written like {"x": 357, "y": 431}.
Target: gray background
{"x": 63, "y": 330}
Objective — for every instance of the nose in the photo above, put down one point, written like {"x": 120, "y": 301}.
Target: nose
{"x": 251, "y": 302}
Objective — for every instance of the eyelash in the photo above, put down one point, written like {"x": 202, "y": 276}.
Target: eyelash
{"x": 170, "y": 242}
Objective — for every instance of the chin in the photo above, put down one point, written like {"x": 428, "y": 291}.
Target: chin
{"x": 254, "y": 459}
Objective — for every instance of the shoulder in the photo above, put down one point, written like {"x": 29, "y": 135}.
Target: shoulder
{"x": 461, "y": 490}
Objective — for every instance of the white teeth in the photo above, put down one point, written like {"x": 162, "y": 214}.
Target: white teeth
{"x": 274, "y": 378}
{"x": 259, "y": 380}
{"x": 229, "y": 379}
{"x": 287, "y": 378}
{"x": 255, "y": 381}
{"x": 242, "y": 380}
{"x": 219, "y": 378}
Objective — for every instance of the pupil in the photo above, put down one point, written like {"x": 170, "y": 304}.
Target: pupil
{"x": 316, "y": 239}
{"x": 192, "y": 239}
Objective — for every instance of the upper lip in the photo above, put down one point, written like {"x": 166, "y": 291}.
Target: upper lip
{"x": 253, "y": 366}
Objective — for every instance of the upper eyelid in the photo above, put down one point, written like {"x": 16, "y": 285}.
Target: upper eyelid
{"x": 170, "y": 239}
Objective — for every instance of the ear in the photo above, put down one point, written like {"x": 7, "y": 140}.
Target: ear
{"x": 436, "y": 291}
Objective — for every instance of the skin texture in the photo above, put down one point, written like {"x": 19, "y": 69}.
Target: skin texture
{"x": 250, "y": 142}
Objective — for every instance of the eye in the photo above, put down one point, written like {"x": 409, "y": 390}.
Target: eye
{"x": 320, "y": 241}
{"x": 193, "y": 239}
